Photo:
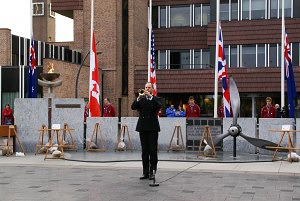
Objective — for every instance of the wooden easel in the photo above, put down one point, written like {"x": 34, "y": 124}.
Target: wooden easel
{"x": 12, "y": 132}
{"x": 96, "y": 130}
{"x": 121, "y": 136}
{"x": 66, "y": 131}
{"x": 290, "y": 147}
{"x": 206, "y": 134}
{"x": 39, "y": 144}
{"x": 178, "y": 146}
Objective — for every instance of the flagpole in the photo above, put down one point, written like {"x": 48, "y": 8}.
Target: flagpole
{"x": 1, "y": 87}
{"x": 216, "y": 61}
{"x": 282, "y": 54}
{"x": 91, "y": 44}
{"x": 149, "y": 36}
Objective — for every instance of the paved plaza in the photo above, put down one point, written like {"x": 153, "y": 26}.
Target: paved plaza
{"x": 32, "y": 178}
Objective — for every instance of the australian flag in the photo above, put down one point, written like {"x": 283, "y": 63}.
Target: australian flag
{"x": 289, "y": 77}
{"x": 223, "y": 75}
{"x": 32, "y": 87}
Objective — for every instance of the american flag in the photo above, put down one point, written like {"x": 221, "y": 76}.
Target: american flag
{"x": 223, "y": 75}
{"x": 32, "y": 89}
{"x": 289, "y": 77}
{"x": 153, "y": 65}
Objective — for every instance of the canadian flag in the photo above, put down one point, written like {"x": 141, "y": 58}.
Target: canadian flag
{"x": 94, "y": 81}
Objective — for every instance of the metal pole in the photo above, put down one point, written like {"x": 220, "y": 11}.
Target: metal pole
{"x": 282, "y": 54}
{"x": 234, "y": 146}
{"x": 78, "y": 73}
{"x": 216, "y": 61}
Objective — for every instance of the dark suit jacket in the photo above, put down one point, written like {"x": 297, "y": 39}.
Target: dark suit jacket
{"x": 148, "y": 118}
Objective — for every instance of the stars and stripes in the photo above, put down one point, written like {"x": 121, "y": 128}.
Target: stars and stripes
{"x": 223, "y": 75}
{"x": 289, "y": 77}
{"x": 32, "y": 87}
{"x": 153, "y": 65}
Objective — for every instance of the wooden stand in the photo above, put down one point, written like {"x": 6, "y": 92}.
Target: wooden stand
{"x": 96, "y": 130}
{"x": 10, "y": 131}
{"x": 290, "y": 146}
{"x": 66, "y": 131}
{"x": 178, "y": 146}
{"x": 40, "y": 144}
{"x": 206, "y": 134}
{"x": 121, "y": 137}
{"x": 55, "y": 132}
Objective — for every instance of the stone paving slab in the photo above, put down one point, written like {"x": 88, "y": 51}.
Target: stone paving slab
{"x": 70, "y": 182}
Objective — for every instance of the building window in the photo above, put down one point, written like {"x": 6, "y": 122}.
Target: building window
{"x": 234, "y": 10}
{"x": 162, "y": 17}
{"x": 201, "y": 15}
{"x": 180, "y": 16}
{"x": 180, "y": 59}
{"x": 162, "y": 59}
{"x": 38, "y": 9}
{"x": 233, "y": 59}
{"x": 258, "y": 9}
{"x": 287, "y": 8}
{"x": 205, "y": 59}
{"x": 248, "y": 53}
{"x": 273, "y": 55}
{"x": 224, "y": 9}
{"x": 205, "y": 15}
{"x": 245, "y": 10}
{"x": 197, "y": 15}
{"x": 261, "y": 55}
{"x": 197, "y": 59}
{"x": 274, "y": 9}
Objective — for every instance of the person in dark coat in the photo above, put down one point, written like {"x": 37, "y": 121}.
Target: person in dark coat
{"x": 148, "y": 107}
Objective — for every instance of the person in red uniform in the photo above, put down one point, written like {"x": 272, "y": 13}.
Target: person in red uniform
{"x": 7, "y": 116}
{"x": 192, "y": 110}
{"x": 268, "y": 111}
{"x": 108, "y": 109}
{"x": 221, "y": 111}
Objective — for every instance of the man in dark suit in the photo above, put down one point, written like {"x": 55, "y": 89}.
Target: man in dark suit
{"x": 148, "y": 127}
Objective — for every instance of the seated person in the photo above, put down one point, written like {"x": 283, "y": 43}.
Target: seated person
{"x": 7, "y": 116}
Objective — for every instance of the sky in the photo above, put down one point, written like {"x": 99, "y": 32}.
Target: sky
{"x": 15, "y": 15}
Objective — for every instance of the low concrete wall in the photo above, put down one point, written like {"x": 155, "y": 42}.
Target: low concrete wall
{"x": 167, "y": 126}
{"x": 31, "y": 113}
{"x": 267, "y": 124}
{"x": 109, "y": 130}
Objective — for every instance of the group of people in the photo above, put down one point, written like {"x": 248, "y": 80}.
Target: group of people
{"x": 270, "y": 111}
{"x": 192, "y": 110}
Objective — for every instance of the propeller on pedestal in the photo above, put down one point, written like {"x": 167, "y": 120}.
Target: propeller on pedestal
{"x": 235, "y": 129}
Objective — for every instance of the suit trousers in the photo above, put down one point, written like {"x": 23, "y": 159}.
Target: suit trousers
{"x": 149, "y": 151}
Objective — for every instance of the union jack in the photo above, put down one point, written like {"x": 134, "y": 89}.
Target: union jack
{"x": 223, "y": 75}
{"x": 153, "y": 65}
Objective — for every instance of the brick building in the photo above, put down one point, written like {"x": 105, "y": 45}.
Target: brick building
{"x": 185, "y": 47}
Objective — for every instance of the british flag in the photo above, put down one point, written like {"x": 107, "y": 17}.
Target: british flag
{"x": 289, "y": 77}
{"x": 153, "y": 65}
{"x": 32, "y": 88}
{"x": 223, "y": 75}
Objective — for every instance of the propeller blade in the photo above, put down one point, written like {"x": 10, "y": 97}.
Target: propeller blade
{"x": 261, "y": 143}
{"x": 235, "y": 100}
{"x": 220, "y": 137}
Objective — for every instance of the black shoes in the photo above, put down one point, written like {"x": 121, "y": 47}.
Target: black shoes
{"x": 144, "y": 177}
{"x": 151, "y": 177}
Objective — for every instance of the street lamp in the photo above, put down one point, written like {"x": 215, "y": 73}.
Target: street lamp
{"x": 77, "y": 78}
